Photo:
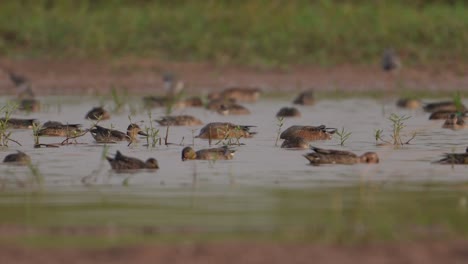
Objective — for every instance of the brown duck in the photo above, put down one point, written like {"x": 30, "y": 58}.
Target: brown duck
{"x": 223, "y": 153}
{"x": 330, "y": 156}
{"x": 220, "y": 130}
{"x": 19, "y": 158}
{"x": 179, "y": 120}
{"x": 106, "y": 135}
{"x": 308, "y": 133}
{"x": 122, "y": 163}
{"x": 454, "y": 158}
{"x": 98, "y": 113}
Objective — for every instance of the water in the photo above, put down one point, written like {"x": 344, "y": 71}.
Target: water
{"x": 253, "y": 190}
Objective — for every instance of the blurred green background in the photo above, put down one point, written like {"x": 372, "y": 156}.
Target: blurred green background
{"x": 244, "y": 32}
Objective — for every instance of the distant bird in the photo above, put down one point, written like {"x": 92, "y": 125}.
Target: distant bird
{"x": 215, "y": 104}
{"x": 330, "y": 156}
{"x": 189, "y": 102}
{"x": 308, "y": 133}
{"x": 19, "y": 158}
{"x": 454, "y": 158}
{"x": 288, "y": 112}
{"x": 390, "y": 61}
{"x": 179, "y": 120}
{"x": 240, "y": 94}
{"x": 448, "y": 106}
{"x": 295, "y": 143}
{"x": 232, "y": 109}
{"x": 454, "y": 122}
{"x": 305, "y": 98}
{"x": 172, "y": 85}
{"x": 172, "y": 88}
{"x": 105, "y": 135}
{"x": 16, "y": 78}
{"x": 223, "y": 153}
{"x": 98, "y": 113}
{"x": 124, "y": 163}
{"x": 408, "y": 103}
{"x": 57, "y": 129}
{"x": 29, "y": 105}
{"x": 220, "y": 130}
{"x": 443, "y": 115}
{"x": 19, "y": 123}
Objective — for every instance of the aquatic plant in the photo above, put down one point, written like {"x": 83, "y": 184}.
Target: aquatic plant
{"x": 397, "y": 128}
{"x": 4, "y": 135}
{"x": 37, "y": 177}
{"x": 35, "y": 128}
{"x": 343, "y": 135}
{"x": 280, "y": 124}
{"x": 118, "y": 99}
{"x": 152, "y": 133}
{"x": 457, "y": 100}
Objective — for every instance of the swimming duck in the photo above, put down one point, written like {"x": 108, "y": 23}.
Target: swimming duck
{"x": 305, "y": 98}
{"x": 390, "y": 61}
{"x": 19, "y": 158}
{"x": 220, "y": 130}
{"x": 223, "y": 153}
{"x": 454, "y": 121}
{"x": 408, "y": 103}
{"x": 295, "y": 143}
{"x": 288, "y": 112}
{"x": 122, "y": 163}
{"x": 454, "y": 158}
{"x": 232, "y": 109}
{"x": 19, "y": 123}
{"x": 179, "y": 120}
{"x": 308, "y": 133}
{"x": 241, "y": 94}
{"x": 448, "y": 106}
{"x": 215, "y": 104}
{"x": 189, "y": 102}
{"x": 105, "y": 135}
{"x": 330, "y": 156}
{"x": 57, "y": 129}
{"x": 98, "y": 113}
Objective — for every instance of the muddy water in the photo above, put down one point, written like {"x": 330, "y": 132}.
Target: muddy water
{"x": 244, "y": 186}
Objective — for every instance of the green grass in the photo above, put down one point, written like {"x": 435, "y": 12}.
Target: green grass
{"x": 364, "y": 213}
{"x": 257, "y": 32}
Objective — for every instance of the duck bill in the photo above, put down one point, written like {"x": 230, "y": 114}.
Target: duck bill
{"x": 142, "y": 133}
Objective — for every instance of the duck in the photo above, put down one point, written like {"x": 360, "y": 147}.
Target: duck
{"x": 57, "y": 129}
{"x": 26, "y": 98}
{"x": 123, "y": 163}
{"x": 172, "y": 87}
{"x": 105, "y": 135}
{"x": 390, "y": 61}
{"x": 288, "y": 112}
{"x": 179, "y": 120}
{"x": 240, "y": 94}
{"x": 222, "y": 130}
{"x": 19, "y": 123}
{"x": 223, "y": 153}
{"x": 189, "y": 102}
{"x": 305, "y": 98}
{"x": 454, "y": 158}
{"x": 448, "y": 106}
{"x": 331, "y": 156}
{"x": 295, "y": 143}
{"x": 308, "y": 133}
{"x": 232, "y": 109}
{"x": 19, "y": 158}
{"x": 408, "y": 103}
{"x": 97, "y": 113}
{"x": 215, "y": 104}
{"x": 454, "y": 121}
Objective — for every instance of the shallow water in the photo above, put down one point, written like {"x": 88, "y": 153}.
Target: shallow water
{"x": 231, "y": 191}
